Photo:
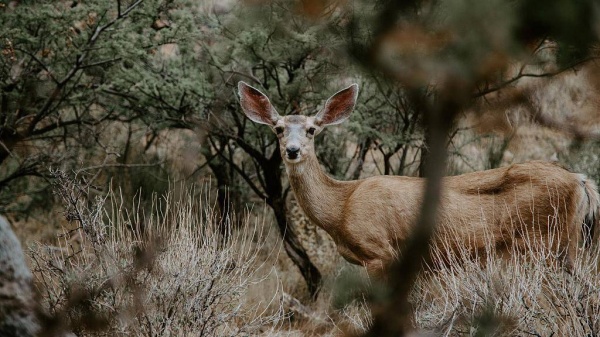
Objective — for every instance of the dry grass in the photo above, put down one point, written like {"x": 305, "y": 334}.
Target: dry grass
{"x": 166, "y": 272}
{"x": 523, "y": 292}
{"x": 176, "y": 278}
{"x": 521, "y": 297}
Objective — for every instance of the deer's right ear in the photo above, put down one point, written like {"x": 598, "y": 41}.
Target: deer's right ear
{"x": 256, "y": 105}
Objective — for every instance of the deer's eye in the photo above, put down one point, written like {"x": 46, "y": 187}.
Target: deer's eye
{"x": 311, "y": 131}
{"x": 279, "y": 130}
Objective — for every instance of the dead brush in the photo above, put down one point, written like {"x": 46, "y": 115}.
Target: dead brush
{"x": 519, "y": 291}
{"x": 162, "y": 272}
{"x": 517, "y": 287}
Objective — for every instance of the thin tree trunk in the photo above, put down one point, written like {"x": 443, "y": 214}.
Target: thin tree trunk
{"x": 425, "y": 151}
{"x": 226, "y": 205}
{"x": 401, "y": 167}
{"x": 220, "y": 170}
{"x": 7, "y": 144}
{"x": 362, "y": 154}
{"x": 295, "y": 251}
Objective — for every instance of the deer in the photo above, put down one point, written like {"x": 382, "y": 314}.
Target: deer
{"x": 370, "y": 218}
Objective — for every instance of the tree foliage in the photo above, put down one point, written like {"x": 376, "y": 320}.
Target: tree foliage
{"x": 57, "y": 60}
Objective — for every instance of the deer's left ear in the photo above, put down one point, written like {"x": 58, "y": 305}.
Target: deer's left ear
{"x": 338, "y": 107}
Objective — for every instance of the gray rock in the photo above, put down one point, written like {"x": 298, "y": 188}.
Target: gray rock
{"x": 17, "y": 305}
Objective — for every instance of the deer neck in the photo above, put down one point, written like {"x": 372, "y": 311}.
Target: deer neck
{"x": 321, "y": 197}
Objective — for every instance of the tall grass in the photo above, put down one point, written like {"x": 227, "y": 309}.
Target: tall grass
{"x": 525, "y": 291}
{"x": 167, "y": 271}
{"x": 164, "y": 272}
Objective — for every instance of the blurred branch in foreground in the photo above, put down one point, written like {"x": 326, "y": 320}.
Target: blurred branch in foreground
{"x": 461, "y": 50}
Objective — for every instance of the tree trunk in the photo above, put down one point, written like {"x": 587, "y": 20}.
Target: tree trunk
{"x": 425, "y": 151}
{"x": 7, "y": 143}
{"x": 220, "y": 171}
{"x": 224, "y": 181}
{"x": 295, "y": 251}
{"x": 362, "y": 154}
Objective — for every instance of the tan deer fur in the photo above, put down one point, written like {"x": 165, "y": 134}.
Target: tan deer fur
{"x": 369, "y": 219}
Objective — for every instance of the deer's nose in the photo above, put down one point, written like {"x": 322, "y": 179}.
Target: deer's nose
{"x": 292, "y": 152}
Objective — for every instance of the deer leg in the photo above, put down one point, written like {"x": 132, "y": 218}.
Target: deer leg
{"x": 375, "y": 269}
{"x": 570, "y": 243}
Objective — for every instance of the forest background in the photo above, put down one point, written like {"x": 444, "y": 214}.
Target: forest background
{"x": 147, "y": 203}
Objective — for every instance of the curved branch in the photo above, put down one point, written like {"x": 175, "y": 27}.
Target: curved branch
{"x": 521, "y": 74}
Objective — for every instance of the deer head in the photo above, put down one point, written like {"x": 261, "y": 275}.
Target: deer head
{"x": 296, "y": 133}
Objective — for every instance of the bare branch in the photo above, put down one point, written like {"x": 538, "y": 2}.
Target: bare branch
{"x": 521, "y": 75}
